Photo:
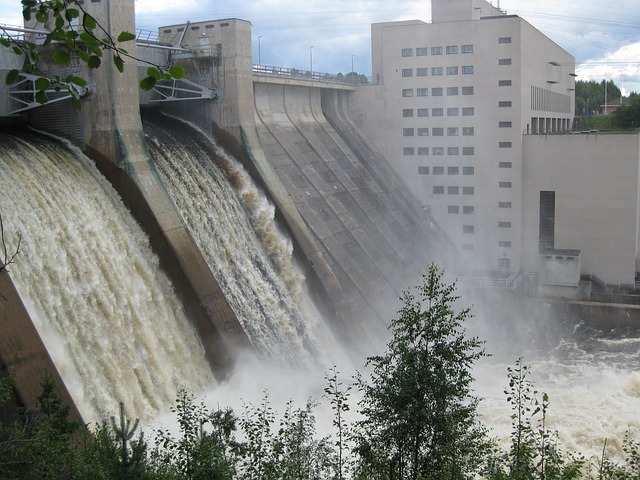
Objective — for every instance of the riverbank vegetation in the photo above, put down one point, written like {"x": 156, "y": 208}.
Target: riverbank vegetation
{"x": 416, "y": 419}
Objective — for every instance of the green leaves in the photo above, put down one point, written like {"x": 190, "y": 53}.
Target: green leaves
{"x": 126, "y": 37}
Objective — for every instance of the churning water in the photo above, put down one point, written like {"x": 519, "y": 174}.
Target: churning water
{"x": 250, "y": 257}
{"x": 107, "y": 313}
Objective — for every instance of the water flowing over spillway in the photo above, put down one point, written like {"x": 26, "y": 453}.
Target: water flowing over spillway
{"x": 234, "y": 228}
{"x": 107, "y": 313}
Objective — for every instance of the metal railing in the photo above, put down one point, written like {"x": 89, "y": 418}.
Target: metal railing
{"x": 511, "y": 282}
{"x": 350, "y": 78}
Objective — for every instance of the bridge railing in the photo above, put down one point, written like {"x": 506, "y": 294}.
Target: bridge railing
{"x": 349, "y": 78}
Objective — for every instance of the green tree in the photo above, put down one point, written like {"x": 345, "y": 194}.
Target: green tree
{"x": 420, "y": 419}
{"x": 204, "y": 449}
{"x": 590, "y": 95}
{"x": 628, "y": 116}
{"x": 75, "y": 33}
{"x": 339, "y": 399}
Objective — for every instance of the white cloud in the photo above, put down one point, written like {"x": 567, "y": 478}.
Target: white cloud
{"x": 621, "y": 66}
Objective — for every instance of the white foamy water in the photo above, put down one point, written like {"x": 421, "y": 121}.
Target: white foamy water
{"x": 90, "y": 281}
{"x": 592, "y": 379}
{"x": 233, "y": 224}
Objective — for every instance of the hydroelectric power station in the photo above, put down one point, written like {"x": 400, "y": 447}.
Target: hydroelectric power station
{"x": 160, "y": 258}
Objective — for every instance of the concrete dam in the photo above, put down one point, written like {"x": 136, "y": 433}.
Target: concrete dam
{"x": 267, "y": 223}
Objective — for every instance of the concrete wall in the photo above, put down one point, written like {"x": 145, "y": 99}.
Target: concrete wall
{"x": 595, "y": 178}
{"x": 23, "y": 353}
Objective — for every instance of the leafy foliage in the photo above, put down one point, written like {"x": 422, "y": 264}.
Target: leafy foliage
{"x": 419, "y": 413}
{"x": 628, "y": 116}
{"x": 74, "y": 33}
{"x": 590, "y": 95}
{"x": 7, "y": 257}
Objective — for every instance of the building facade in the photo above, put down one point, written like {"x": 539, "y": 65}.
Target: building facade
{"x": 451, "y": 103}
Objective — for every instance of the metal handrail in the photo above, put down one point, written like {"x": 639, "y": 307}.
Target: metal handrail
{"x": 352, "y": 78}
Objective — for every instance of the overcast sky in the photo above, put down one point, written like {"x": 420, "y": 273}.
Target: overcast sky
{"x": 605, "y": 41}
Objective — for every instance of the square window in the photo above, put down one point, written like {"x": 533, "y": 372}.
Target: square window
{"x": 504, "y": 184}
{"x": 437, "y": 112}
{"x": 407, "y": 92}
{"x": 504, "y": 83}
{"x": 468, "y": 210}
{"x": 504, "y": 61}
{"x": 438, "y": 170}
{"x": 453, "y": 171}
{"x": 468, "y": 151}
{"x": 453, "y": 151}
{"x": 437, "y": 131}
{"x": 407, "y": 52}
{"x": 408, "y": 151}
{"x": 452, "y": 70}
{"x": 407, "y": 112}
{"x": 421, "y": 52}
{"x": 452, "y": 112}
{"x": 407, "y": 72}
{"x": 504, "y": 243}
{"x": 423, "y": 92}
{"x": 467, "y": 90}
{"x": 468, "y": 111}
{"x": 467, "y": 48}
{"x": 436, "y": 71}
{"x": 467, "y": 69}
{"x": 504, "y": 165}
{"x": 504, "y": 144}
{"x": 504, "y": 263}
{"x": 504, "y": 40}
{"x": 504, "y": 224}
{"x": 437, "y": 151}
{"x": 504, "y": 124}
{"x": 436, "y": 50}
{"x": 422, "y": 72}
{"x": 438, "y": 190}
{"x": 407, "y": 132}
{"x": 468, "y": 131}
{"x": 423, "y": 132}
{"x": 453, "y": 190}
{"x": 452, "y": 91}
{"x": 452, "y": 131}
{"x": 468, "y": 190}
{"x": 423, "y": 151}
{"x": 453, "y": 209}
{"x": 423, "y": 112}
{"x": 423, "y": 170}
{"x": 468, "y": 170}
{"x": 504, "y": 204}
{"x": 452, "y": 49}
{"x": 504, "y": 104}
{"x": 437, "y": 92}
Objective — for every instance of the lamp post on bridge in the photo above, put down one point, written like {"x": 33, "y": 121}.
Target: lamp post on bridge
{"x": 259, "y": 56}
{"x": 311, "y": 59}
{"x": 352, "y": 57}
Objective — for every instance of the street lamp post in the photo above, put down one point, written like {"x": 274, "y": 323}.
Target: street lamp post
{"x": 311, "y": 58}
{"x": 352, "y": 70}
{"x": 259, "y": 56}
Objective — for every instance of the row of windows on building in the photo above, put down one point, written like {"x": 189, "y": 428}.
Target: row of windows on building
{"x": 451, "y": 151}
{"x": 439, "y": 112}
{"x": 449, "y": 49}
{"x": 438, "y": 71}
{"x": 438, "y": 151}
{"x": 438, "y": 131}
{"x": 439, "y": 50}
{"x": 455, "y": 170}
{"x": 455, "y": 190}
{"x": 436, "y": 91}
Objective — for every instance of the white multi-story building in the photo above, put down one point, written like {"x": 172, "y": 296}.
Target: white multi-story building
{"x": 451, "y": 103}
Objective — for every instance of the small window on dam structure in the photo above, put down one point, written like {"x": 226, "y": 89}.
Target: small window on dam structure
{"x": 547, "y": 220}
